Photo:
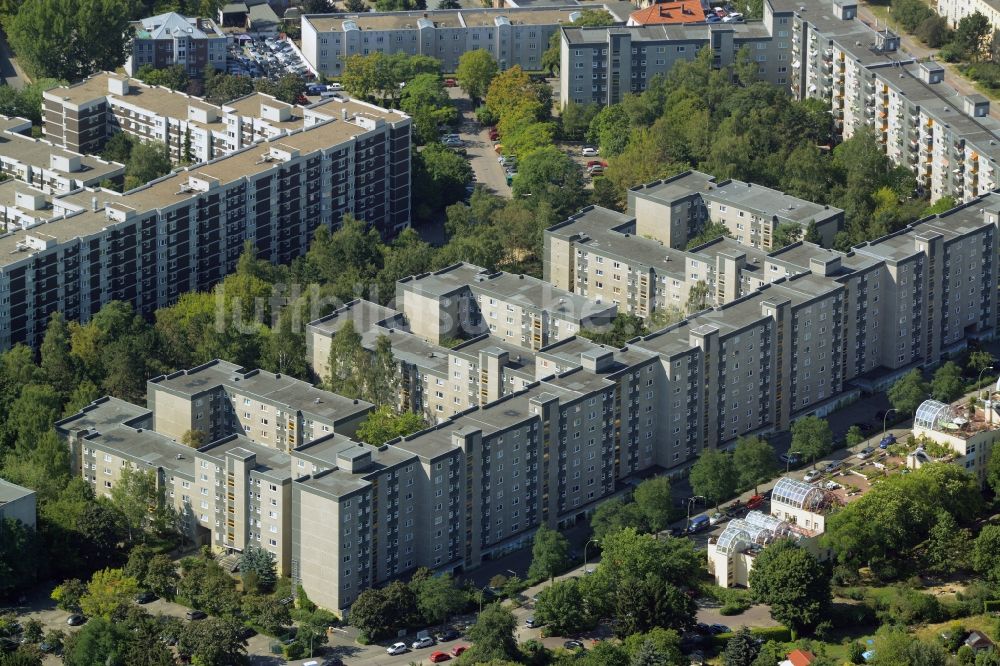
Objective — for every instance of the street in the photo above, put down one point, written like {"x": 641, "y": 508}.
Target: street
{"x": 478, "y": 146}
{"x": 10, "y": 70}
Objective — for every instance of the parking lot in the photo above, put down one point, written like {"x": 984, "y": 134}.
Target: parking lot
{"x": 266, "y": 58}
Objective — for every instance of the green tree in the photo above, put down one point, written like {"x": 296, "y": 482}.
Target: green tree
{"x": 624, "y": 327}
{"x": 347, "y": 361}
{"x": 854, "y": 436}
{"x": 785, "y": 234}
{"x": 549, "y": 554}
{"x": 141, "y": 499}
{"x": 654, "y": 500}
{"x": 666, "y": 641}
{"x": 476, "y": 70}
{"x": 161, "y": 576}
{"x": 67, "y": 595}
{"x": 549, "y": 176}
{"x": 971, "y": 34}
{"x": 947, "y": 384}
{"x": 263, "y": 564}
{"x": 648, "y": 655}
{"x": 426, "y": 101}
{"x": 212, "y": 642}
{"x": 980, "y": 360}
{"x": 109, "y": 593}
{"x": 69, "y": 39}
{"x": 614, "y": 515}
{"x": 21, "y": 554}
{"x": 895, "y": 646}
{"x": 709, "y": 233}
{"x": 224, "y": 88}
{"x": 697, "y": 297}
{"x": 384, "y": 424}
{"x": 575, "y": 119}
{"x": 742, "y": 649}
{"x": 610, "y": 130}
{"x": 148, "y": 161}
{"x": 207, "y": 586}
{"x": 370, "y": 613}
{"x": 174, "y": 77}
{"x": 812, "y": 437}
{"x": 984, "y": 553}
{"x": 908, "y": 392}
{"x": 561, "y": 607}
{"x": 513, "y": 88}
{"x": 792, "y": 582}
{"x": 439, "y": 179}
{"x": 266, "y": 612}
{"x": 993, "y": 470}
{"x": 754, "y": 460}
{"x": 812, "y": 234}
{"x": 948, "y": 546}
{"x": 56, "y": 360}
{"x": 438, "y": 598}
{"x": 714, "y": 476}
{"x": 383, "y": 381}
{"x": 910, "y": 13}
{"x": 492, "y": 635}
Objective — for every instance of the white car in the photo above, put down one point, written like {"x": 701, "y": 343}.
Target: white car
{"x": 812, "y": 475}
{"x": 397, "y": 648}
{"x": 424, "y": 642}
{"x": 589, "y": 152}
{"x": 334, "y": 86}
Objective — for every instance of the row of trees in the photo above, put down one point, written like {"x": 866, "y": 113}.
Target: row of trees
{"x": 947, "y": 384}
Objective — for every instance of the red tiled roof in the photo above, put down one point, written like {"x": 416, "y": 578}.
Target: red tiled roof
{"x": 679, "y": 11}
{"x": 801, "y": 657}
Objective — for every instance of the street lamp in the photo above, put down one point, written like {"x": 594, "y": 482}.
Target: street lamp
{"x": 989, "y": 367}
{"x": 687, "y": 525}
{"x": 886, "y": 416}
{"x": 585, "y": 553}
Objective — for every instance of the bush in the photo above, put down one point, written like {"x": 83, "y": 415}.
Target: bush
{"x": 732, "y": 608}
{"x": 484, "y": 116}
{"x": 844, "y": 575}
{"x": 294, "y": 650}
{"x": 992, "y": 606}
{"x": 776, "y": 634}
{"x": 909, "y": 607}
{"x": 855, "y": 653}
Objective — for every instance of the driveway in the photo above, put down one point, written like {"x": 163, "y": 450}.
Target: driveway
{"x": 478, "y": 146}
{"x": 10, "y": 70}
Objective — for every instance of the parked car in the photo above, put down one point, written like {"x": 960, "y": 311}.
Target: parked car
{"x": 866, "y": 452}
{"x": 334, "y": 86}
{"x": 438, "y": 656}
{"x": 832, "y": 466}
{"x": 719, "y": 629}
{"x": 424, "y": 642}
{"x": 510, "y": 177}
{"x": 494, "y": 134}
{"x": 791, "y": 458}
{"x": 75, "y": 620}
{"x": 589, "y": 152}
{"x": 698, "y": 523}
{"x": 595, "y": 170}
{"x": 812, "y": 475}
{"x": 333, "y": 661}
{"x": 735, "y": 509}
{"x": 458, "y": 650}
{"x": 446, "y": 635}
{"x": 532, "y": 623}
{"x": 397, "y": 648}
{"x": 887, "y": 441}
{"x": 145, "y": 597}
{"x": 573, "y": 645}
{"x": 195, "y": 615}
{"x": 507, "y": 160}
{"x": 450, "y": 83}
{"x": 755, "y": 502}
{"x": 716, "y": 518}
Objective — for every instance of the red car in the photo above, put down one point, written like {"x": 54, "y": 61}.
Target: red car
{"x": 438, "y": 657}
{"x": 450, "y": 83}
{"x": 494, "y": 134}
{"x": 458, "y": 650}
{"x": 599, "y": 163}
{"x": 755, "y": 502}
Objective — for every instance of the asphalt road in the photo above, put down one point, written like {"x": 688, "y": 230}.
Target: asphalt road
{"x": 11, "y": 72}
{"x": 478, "y": 146}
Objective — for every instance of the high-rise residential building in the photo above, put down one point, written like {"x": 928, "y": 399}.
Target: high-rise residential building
{"x": 186, "y": 231}
{"x": 527, "y": 431}
{"x": 171, "y": 39}
{"x": 821, "y": 50}
{"x": 513, "y": 36}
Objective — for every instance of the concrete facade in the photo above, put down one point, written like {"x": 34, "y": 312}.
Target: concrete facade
{"x": 17, "y": 503}
{"x": 513, "y": 36}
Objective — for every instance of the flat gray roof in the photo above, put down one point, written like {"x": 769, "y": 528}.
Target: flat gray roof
{"x": 102, "y": 413}
{"x": 148, "y": 446}
{"x": 10, "y": 492}
{"x": 271, "y": 462}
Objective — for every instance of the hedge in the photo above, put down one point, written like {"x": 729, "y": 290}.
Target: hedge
{"x": 777, "y": 634}
{"x": 991, "y": 606}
